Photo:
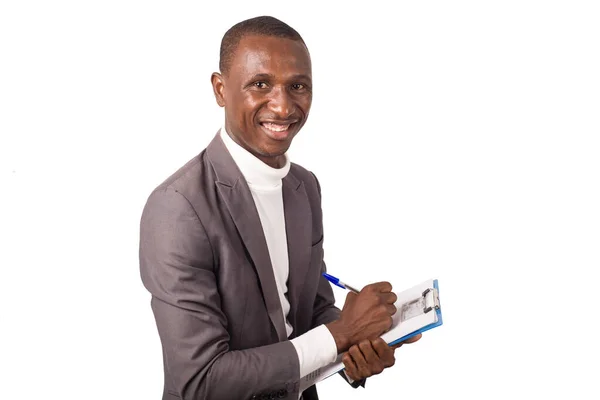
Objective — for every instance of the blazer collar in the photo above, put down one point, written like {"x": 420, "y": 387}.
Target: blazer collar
{"x": 227, "y": 170}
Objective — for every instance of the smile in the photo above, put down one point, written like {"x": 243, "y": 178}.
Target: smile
{"x": 275, "y": 127}
{"x": 278, "y": 130}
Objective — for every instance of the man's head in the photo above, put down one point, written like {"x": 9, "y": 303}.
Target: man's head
{"x": 265, "y": 85}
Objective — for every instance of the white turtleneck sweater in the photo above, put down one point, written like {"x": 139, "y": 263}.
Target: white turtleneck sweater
{"x": 316, "y": 348}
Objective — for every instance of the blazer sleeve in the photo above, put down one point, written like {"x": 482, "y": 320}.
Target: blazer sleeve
{"x": 177, "y": 268}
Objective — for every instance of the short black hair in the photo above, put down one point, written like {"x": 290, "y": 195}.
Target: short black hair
{"x": 263, "y": 25}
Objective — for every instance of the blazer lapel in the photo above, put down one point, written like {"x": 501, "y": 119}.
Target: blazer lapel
{"x": 237, "y": 197}
{"x": 298, "y": 226}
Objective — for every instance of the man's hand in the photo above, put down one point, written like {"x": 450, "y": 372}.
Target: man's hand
{"x": 366, "y": 315}
{"x": 370, "y": 358}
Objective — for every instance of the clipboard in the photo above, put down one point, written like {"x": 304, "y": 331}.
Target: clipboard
{"x": 418, "y": 309}
{"x": 431, "y": 300}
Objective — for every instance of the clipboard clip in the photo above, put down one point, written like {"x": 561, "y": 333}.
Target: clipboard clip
{"x": 431, "y": 300}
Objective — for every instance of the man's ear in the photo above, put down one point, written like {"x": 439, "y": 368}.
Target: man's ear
{"x": 218, "y": 85}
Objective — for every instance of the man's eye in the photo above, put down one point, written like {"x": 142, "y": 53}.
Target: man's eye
{"x": 260, "y": 85}
{"x": 298, "y": 86}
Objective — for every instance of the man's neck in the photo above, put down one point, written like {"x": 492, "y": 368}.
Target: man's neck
{"x": 258, "y": 172}
{"x": 272, "y": 161}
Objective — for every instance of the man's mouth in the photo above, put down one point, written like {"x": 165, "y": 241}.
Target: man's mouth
{"x": 278, "y": 130}
{"x": 275, "y": 127}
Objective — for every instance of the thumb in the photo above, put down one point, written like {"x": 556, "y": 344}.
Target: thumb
{"x": 409, "y": 340}
{"x": 414, "y": 338}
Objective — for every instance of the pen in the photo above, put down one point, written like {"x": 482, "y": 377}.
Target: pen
{"x": 339, "y": 283}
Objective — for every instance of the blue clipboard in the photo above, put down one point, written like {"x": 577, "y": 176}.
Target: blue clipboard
{"x": 438, "y": 311}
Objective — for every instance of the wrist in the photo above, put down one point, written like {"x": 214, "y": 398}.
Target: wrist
{"x": 340, "y": 334}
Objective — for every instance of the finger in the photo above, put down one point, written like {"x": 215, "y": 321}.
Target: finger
{"x": 350, "y": 366}
{"x": 383, "y": 287}
{"x": 389, "y": 323}
{"x": 384, "y": 352}
{"x": 371, "y": 356}
{"x": 359, "y": 360}
{"x": 409, "y": 340}
{"x": 375, "y": 365}
{"x": 413, "y": 339}
{"x": 389, "y": 298}
{"x": 350, "y": 298}
{"x": 391, "y": 309}
{"x": 380, "y": 347}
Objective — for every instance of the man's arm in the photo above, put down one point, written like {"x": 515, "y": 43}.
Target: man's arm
{"x": 176, "y": 263}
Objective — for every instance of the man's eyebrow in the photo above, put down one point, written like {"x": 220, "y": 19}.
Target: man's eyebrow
{"x": 301, "y": 77}
{"x": 272, "y": 77}
{"x": 261, "y": 76}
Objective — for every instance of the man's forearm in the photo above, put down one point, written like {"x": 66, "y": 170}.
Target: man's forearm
{"x": 202, "y": 367}
{"x": 316, "y": 348}
{"x": 269, "y": 370}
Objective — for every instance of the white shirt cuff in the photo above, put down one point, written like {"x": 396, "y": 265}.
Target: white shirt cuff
{"x": 316, "y": 348}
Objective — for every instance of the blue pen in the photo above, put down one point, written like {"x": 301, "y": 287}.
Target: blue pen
{"x": 339, "y": 283}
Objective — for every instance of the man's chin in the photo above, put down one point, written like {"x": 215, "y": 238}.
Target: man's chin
{"x": 273, "y": 153}
{"x": 270, "y": 147}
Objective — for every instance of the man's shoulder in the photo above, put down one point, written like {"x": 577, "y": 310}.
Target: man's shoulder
{"x": 190, "y": 171}
{"x": 189, "y": 180}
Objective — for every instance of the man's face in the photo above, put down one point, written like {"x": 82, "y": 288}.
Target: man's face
{"x": 267, "y": 95}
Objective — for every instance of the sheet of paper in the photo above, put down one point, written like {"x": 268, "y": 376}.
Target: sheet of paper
{"x": 406, "y": 320}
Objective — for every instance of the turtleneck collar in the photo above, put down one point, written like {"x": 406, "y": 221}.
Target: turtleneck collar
{"x": 259, "y": 175}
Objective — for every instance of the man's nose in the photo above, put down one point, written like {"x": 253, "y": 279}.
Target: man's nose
{"x": 281, "y": 104}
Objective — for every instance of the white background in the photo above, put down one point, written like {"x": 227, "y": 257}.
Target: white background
{"x": 455, "y": 140}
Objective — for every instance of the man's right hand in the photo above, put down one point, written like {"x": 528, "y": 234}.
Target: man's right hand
{"x": 366, "y": 315}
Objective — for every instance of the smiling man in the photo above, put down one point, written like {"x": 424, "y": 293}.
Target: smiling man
{"x": 265, "y": 86}
{"x": 231, "y": 245}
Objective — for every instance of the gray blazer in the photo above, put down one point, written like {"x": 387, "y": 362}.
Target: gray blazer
{"x": 204, "y": 259}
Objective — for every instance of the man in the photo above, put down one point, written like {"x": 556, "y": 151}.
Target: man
{"x": 231, "y": 245}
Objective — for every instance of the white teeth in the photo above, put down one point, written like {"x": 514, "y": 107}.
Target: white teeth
{"x": 276, "y": 127}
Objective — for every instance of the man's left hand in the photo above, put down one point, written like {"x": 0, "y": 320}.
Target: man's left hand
{"x": 371, "y": 357}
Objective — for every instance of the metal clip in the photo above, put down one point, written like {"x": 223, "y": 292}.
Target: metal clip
{"x": 431, "y": 300}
